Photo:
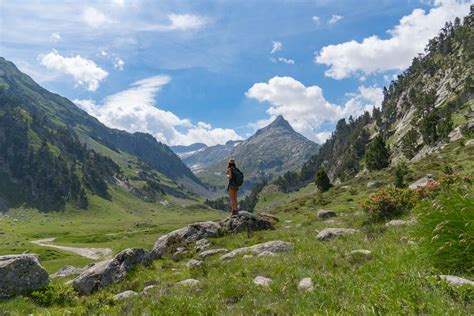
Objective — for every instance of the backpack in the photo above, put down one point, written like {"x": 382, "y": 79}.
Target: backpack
{"x": 237, "y": 177}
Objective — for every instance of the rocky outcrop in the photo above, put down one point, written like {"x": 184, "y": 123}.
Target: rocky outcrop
{"x": 212, "y": 252}
{"x": 202, "y": 244}
{"x": 245, "y": 221}
{"x": 331, "y": 233}
{"x": 422, "y": 182}
{"x": 21, "y": 274}
{"x": 270, "y": 246}
{"x": 193, "y": 263}
{"x": 105, "y": 273}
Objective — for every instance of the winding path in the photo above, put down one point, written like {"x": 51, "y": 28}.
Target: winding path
{"x": 91, "y": 253}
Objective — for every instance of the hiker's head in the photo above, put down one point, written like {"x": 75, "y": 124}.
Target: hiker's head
{"x": 231, "y": 163}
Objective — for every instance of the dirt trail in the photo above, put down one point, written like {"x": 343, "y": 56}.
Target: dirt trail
{"x": 91, "y": 253}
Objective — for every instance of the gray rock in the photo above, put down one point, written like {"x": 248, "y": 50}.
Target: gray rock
{"x": 212, "y": 252}
{"x": 247, "y": 257}
{"x": 188, "y": 282}
{"x": 193, "y": 232}
{"x": 272, "y": 246}
{"x": 469, "y": 142}
{"x": 148, "y": 289}
{"x": 374, "y": 184}
{"x": 399, "y": 222}
{"x": 267, "y": 253}
{"x": 325, "y": 214}
{"x": 455, "y": 280}
{"x": 202, "y": 244}
{"x": 306, "y": 285}
{"x": 262, "y": 281}
{"x": 21, "y": 274}
{"x": 125, "y": 295}
{"x": 246, "y": 221}
{"x": 360, "y": 255}
{"x": 193, "y": 263}
{"x": 67, "y": 271}
{"x": 422, "y": 182}
{"x": 107, "y": 272}
{"x": 331, "y": 233}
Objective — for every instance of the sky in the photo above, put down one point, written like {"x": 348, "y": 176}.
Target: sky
{"x": 213, "y": 71}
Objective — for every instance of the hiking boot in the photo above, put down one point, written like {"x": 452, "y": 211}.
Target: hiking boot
{"x": 235, "y": 212}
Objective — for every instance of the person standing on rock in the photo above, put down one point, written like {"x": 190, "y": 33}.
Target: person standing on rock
{"x": 236, "y": 178}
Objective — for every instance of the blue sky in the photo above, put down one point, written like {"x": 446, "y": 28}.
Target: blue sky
{"x": 211, "y": 71}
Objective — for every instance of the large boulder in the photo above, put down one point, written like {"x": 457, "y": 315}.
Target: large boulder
{"x": 193, "y": 232}
{"x": 21, "y": 274}
{"x": 273, "y": 246}
{"x": 107, "y": 272}
{"x": 245, "y": 221}
{"x": 421, "y": 182}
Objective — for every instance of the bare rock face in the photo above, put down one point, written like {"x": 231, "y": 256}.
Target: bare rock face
{"x": 325, "y": 214}
{"x": 245, "y": 221}
{"x": 331, "y": 233}
{"x": 105, "y": 273}
{"x": 182, "y": 236}
{"x": 21, "y": 274}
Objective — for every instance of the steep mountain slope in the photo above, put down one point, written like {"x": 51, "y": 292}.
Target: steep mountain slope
{"x": 203, "y": 157}
{"x": 51, "y": 151}
{"x": 271, "y": 151}
{"x": 429, "y": 105}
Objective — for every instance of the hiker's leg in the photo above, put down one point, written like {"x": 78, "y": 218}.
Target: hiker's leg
{"x": 233, "y": 199}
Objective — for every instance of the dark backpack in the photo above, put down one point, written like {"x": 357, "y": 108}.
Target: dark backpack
{"x": 237, "y": 177}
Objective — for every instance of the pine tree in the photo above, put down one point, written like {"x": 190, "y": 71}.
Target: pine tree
{"x": 322, "y": 180}
{"x": 401, "y": 170}
{"x": 377, "y": 155}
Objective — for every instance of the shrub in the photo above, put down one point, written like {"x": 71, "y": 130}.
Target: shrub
{"x": 322, "y": 180}
{"x": 388, "y": 203}
{"x": 54, "y": 294}
{"x": 446, "y": 231}
{"x": 377, "y": 155}
{"x": 401, "y": 170}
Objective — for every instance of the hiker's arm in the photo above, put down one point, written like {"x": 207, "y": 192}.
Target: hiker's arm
{"x": 228, "y": 173}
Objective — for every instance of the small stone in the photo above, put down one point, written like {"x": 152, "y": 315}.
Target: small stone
{"x": 325, "y": 214}
{"x": 306, "y": 284}
{"x": 188, "y": 282}
{"x": 362, "y": 253}
{"x": 399, "y": 222}
{"x": 267, "y": 254}
{"x": 374, "y": 184}
{"x": 331, "y": 233}
{"x": 212, "y": 252}
{"x": 125, "y": 295}
{"x": 455, "y": 280}
{"x": 331, "y": 222}
{"x": 147, "y": 289}
{"x": 247, "y": 257}
{"x": 287, "y": 227}
{"x": 263, "y": 281}
{"x": 193, "y": 263}
{"x": 288, "y": 221}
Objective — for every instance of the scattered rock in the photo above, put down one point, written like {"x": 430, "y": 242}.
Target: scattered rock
{"x": 287, "y": 227}
{"x": 270, "y": 217}
{"x": 21, "y": 274}
{"x": 125, "y": 295}
{"x": 273, "y": 246}
{"x": 263, "y": 281}
{"x": 422, "y": 182}
{"x": 104, "y": 273}
{"x": 247, "y": 257}
{"x": 267, "y": 254}
{"x": 399, "y": 222}
{"x": 360, "y": 255}
{"x": 288, "y": 221}
{"x": 331, "y": 222}
{"x": 325, "y": 214}
{"x": 212, "y": 252}
{"x": 331, "y": 233}
{"x": 306, "y": 285}
{"x": 203, "y": 244}
{"x": 67, "y": 271}
{"x": 374, "y": 184}
{"x": 148, "y": 289}
{"x": 193, "y": 263}
{"x": 246, "y": 221}
{"x": 469, "y": 142}
{"x": 455, "y": 280}
{"x": 188, "y": 282}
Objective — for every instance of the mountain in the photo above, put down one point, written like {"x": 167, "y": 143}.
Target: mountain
{"x": 271, "y": 151}
{"x": 185, "y": 150}
{"x": 52, "y": 152}
{"x": 428, "y": 106}
{"x": 200, "y": 157}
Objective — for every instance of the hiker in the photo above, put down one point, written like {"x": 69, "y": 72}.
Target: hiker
{"x": 236, "y": 178}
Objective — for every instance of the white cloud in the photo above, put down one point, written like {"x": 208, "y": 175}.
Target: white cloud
{"x": 55, "y": 37}
{"x": 134, "y": 110}
{"x": 335, "y": 18}
{"x": 120, "y": 3}
{"x": 316, "y": 20}
{"x": 94, "y": 18}
{"x": 305, "y": 107}
{"x": 83, "y": 70}
{"x": 178, "y": 22}
{"x": 286, "y": 60}
{"x": 118, "y": 63}
{"x": 276, "y": 46}
{"x": 374, "y": 54}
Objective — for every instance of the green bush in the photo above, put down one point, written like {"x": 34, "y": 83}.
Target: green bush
{"x": 322, "y": 180}
{"x": 55, "y": 294}
{"x": 388, "y": 203}
{"x": 446, "y": 231}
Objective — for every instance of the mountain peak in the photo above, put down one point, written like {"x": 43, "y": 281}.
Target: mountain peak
{"x": 280, "y": 122}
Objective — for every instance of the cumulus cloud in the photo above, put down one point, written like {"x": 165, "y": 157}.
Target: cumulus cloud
{"x": 335, "y": 18}
{"x": 306, "y": 108}
{"x": 316, "y": 20}
{"x": 55, "y": 37}
{"x": 118, "y": 63}
{"x": 134, "y": 110}
{"x": 374, "y": 54}
{"x": 276, "y": 46}
{"x": 94, "y": 18}
{"x": 83, "y": 70}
